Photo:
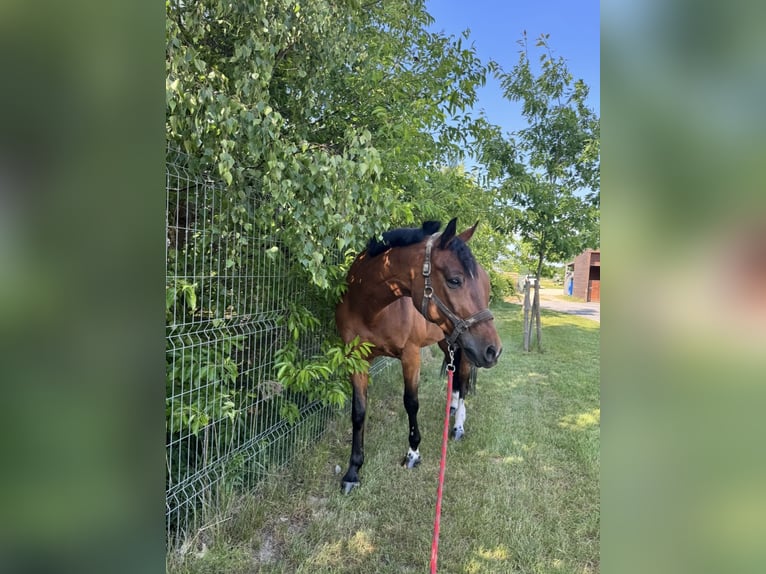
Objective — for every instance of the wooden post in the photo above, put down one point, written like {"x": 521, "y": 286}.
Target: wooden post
{"x": 536, "y": 315}
{"x": 527, "y": 317}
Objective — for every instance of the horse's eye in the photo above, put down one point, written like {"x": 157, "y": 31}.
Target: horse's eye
{"x": 454, "y": 282}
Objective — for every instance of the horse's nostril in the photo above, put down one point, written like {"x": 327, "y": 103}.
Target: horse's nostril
{"x": 491, "y": 353}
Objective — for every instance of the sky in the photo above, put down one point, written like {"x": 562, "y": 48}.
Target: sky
{"x": 496, "y": 26}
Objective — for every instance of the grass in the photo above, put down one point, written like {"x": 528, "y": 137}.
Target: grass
{"x": 521, "y": 492}
{"x": 547, "y": 283}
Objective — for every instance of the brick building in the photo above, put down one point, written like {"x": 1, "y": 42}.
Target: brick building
{"x": 583, "y": 276}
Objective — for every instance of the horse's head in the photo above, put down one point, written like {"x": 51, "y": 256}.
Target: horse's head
{"x": 456, "y": 296}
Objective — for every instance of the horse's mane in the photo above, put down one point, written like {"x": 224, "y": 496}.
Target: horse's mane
{"x": 404, "y": 236}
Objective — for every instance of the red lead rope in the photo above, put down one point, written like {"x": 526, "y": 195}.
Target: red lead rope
{"x": 442, "y": 468}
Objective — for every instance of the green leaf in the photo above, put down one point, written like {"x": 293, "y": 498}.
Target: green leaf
{"x": 191, "y": 296}
{"x": 170, "y": 297}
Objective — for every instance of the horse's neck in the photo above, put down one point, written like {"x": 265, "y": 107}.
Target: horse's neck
{"x": 383, "y": 279}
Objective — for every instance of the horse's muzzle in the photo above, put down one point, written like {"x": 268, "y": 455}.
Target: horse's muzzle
{"x": 481, "y": 355}
{"x": 492, "y": 354}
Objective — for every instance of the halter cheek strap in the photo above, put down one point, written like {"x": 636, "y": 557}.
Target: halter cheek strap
{"x": 428, "y": 290}
{"x": 459, "y": 326}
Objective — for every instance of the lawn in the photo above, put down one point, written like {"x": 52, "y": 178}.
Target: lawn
{"x": 521, "y": 491}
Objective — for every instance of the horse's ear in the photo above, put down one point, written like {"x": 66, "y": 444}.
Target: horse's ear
{"x": 449, "y": 233}
{"x": 468, "y": 233}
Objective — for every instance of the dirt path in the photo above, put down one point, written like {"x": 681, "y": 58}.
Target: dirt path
{"x": 551, "y": 299}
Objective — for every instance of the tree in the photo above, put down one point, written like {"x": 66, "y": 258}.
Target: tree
{"x": 546, "y": 176}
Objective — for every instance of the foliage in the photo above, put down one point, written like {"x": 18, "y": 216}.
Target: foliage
{"x": 321, "y": 377}
{"x": 209, "y": 374}
{"x": 502, "y": 286}
{"x": 334, "y": 118}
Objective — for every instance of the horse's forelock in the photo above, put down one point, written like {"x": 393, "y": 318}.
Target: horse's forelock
{"x": 464, "y": 255}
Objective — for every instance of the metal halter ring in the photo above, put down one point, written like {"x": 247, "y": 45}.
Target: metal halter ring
{"x": 451, "y": 366}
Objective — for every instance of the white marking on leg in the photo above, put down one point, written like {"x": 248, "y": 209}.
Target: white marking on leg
{"x": 460, "y": 416}
{"x": 454, "y": 402}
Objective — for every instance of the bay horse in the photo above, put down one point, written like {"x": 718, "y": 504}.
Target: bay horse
{"x": 415, "y": 288}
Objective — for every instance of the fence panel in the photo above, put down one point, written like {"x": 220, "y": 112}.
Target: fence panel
{"x": 229, "y": 288}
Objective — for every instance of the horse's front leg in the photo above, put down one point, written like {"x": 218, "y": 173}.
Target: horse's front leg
{"x": 358, "y": 411}
{"x": 460, "y": 380}
{"x": 411, "y": 373}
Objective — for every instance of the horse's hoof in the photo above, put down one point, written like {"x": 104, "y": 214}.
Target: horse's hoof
{"x": 346, "y": 487}
{"x": 411, "y": 460}
{"x": 458, "y": 433}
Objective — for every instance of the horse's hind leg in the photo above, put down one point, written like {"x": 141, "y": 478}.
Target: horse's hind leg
{"x": 411, "y": 371}
{"x": 358, "y": 410}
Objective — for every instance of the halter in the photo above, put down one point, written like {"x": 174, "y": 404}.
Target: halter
{"x": 459, "y": 325}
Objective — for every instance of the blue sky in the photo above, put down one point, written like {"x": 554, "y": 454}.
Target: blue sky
{"x": 496, "y": 26}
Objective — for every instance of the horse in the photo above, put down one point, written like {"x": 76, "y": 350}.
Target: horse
{"x": 415, "y": 288}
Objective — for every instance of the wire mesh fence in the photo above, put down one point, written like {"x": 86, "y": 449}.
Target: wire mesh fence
{"x": 229, "y": 288}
